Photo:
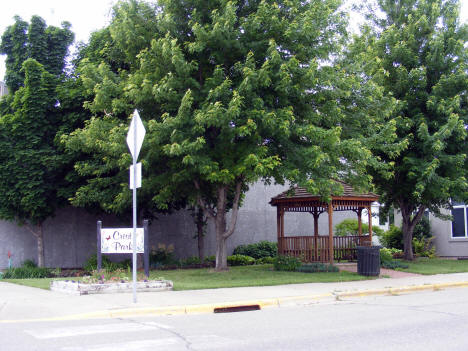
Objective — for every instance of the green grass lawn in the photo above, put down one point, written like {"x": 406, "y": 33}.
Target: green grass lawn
{"x": 191, "y": 279}
{"x": 430, "y": 266}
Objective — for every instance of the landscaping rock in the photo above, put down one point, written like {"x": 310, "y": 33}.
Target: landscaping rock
{"x": 79, "y": 288}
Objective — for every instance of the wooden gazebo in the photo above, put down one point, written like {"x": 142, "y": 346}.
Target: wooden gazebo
{"x": 323, "y": 248}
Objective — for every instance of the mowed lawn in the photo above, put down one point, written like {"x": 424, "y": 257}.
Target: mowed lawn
{"x": 206, "y": 278}
{"x": 429, "y": 266}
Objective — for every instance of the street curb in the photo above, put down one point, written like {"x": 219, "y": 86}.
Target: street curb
{"x": 261, "y": 303}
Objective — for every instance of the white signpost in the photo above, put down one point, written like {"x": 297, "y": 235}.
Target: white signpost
{"x": 135, "y": 136}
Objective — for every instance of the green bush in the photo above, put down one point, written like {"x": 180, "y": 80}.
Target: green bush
{"x": 28, "y": 264}
{"x": 393, "y": 238}
{"x": 190, "y": 261}
{"x": 210, "y": 259}
{"x": 162, "y": 256}
{"x": 240, "y": 260}
{"x": 91, "y": 263}
{"x": 422, "y": 229}
{"x": 317, "y": 267}
{"x": 424, "y": 247}
{"x": 265, "y": 260}
{"x": 27, "y": 273}
{"x": 393, "y": 264}
{"x": 351, "y": 227}
{"x": 258, "y": 250}
{"x": 286, "y": 263}
{"x": 385, "y": 255}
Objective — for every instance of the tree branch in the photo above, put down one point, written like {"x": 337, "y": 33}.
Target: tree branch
{"x": 28, "y": 227}
{"x": 206, "y": 209}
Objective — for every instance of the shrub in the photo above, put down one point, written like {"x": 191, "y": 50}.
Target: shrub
{"x": 424, "y": 247}
{"x": 191, "y": 261}
{"x": 385, "y": 255}
{"x": 265, "y": 260}
{"x": 393, "y": 238}
{"x": 351, "y": 227}
{"x": 210, "y": 259}
{"x": 162, "y": 256}
{"x": 91, "y": 263}
{"x": 393, "y": 264}
{"x": 240, "y": 260}
{"x": 422, "y": 229}
{"x": 317, "y": 267}
{"x": 286, "y": 263}
{"x": 28, "y": 264}
{"x": 27, "y": 272}
{"x": 257, "y": 250}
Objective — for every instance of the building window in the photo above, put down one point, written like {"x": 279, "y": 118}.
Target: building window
{"x": 460, "y": 220}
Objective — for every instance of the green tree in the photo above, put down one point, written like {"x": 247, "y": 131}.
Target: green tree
{"x": 32, "y": 169}
{"x": 48, "y": 45}
{"x": 231, "y": 92}
{"x": 417, "y": 51}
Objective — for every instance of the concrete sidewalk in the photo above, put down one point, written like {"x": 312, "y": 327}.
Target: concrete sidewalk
{"x": 20, "y": 303}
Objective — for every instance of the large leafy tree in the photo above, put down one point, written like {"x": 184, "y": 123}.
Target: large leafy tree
{"x": 231, "y": 92}
{"x": 32, "y": 169}
{"x": 417, "y": 51}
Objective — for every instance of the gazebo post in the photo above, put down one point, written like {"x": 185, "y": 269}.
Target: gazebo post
{"x": 359, "y": 220}
{"x": 316, "y": 217}
{"x": 278, "y": 228}
{"x": 369, "y": 214}
{"x": 330, "y": 232}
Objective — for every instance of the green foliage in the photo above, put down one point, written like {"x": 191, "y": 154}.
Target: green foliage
{"x": 190, "y": 261}
{"x": 257, "y": 250}
{"x": 235, "y": 95}
{"x": 265, "y": 260}
{"x": 29, "y": 264}
{"x": 286, "y": 263}
{"x": 106, "y": 264}
{"x": 424, "y": 247}
{"x": 317, "y": 267}
{"x": 27, "y": 270}
{"x": 351, "y": 227}
{"x": 240, "y": 260}
{"x": 393, "y": 264}
{"x": 392, "y": 238}
{"x": 422, "y": 230}
{"x": 417, "y": 54}
{"x": 47, "y": 45}
{"x": 162, "y": 256}
{"x": 385, "y": 255}
{"x": 210, "y": 259}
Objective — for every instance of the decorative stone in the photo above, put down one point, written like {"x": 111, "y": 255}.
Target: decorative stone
{"x": 79, "y": 288}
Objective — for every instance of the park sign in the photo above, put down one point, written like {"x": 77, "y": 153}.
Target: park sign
{"x": 120, "y": 240}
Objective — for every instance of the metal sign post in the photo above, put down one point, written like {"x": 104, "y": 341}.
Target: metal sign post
{"x": 135, "y": 136}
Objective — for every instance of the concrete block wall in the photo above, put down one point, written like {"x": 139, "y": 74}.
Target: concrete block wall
{"x": 70, "y": 237}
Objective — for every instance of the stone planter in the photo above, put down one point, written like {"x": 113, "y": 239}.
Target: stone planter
{"x": 79, "y": 288}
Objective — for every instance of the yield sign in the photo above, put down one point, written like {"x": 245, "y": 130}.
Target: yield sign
{"x": 136, "y": 134}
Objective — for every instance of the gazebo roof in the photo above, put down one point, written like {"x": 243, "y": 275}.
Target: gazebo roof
{"x": 300, "y": 197}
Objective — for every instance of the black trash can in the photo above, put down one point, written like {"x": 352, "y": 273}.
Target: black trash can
{"x": 368, "y": 260}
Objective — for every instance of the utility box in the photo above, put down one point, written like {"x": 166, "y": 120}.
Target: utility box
{"x": 368, "y": 260}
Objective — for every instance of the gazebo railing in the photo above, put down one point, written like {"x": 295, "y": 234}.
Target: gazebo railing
{"x": 316, "y": 249}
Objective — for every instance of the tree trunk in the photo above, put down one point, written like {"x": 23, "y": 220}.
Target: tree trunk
{"x": 409, "y": 221}
{"x": 221, "y": 249}
{"x": 222, "y": 231}
{"x": 38, "y": 234}
{"x": 407, "y": 230}
{"x": 200, "y": 234}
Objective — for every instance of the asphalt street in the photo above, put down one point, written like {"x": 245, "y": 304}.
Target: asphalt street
{"x": 426, "y": 320}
